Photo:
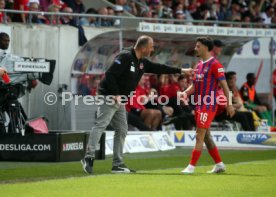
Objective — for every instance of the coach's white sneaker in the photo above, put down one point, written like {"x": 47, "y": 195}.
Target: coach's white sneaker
{"x": 189, "y": 169}
{"x": 218, "y": 168}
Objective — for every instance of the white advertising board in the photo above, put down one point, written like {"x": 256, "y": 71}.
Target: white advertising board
{"x": 229, "y": 139}
{"x": 140, "y": 143}
{"x": 163, "y": 141}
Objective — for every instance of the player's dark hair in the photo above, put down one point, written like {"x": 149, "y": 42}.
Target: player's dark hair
{"x": 207, "y": 41}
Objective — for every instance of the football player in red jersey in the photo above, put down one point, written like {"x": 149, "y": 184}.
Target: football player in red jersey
{"x": 209, "y": 75}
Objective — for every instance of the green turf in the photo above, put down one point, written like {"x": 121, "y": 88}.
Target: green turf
{"x": 11, "y": 172}
{"x": 242, "y": 179}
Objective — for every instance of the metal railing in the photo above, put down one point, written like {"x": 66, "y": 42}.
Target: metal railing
{"x": 128, "y": 22}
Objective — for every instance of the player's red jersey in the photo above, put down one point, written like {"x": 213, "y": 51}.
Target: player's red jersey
{"x": 206, "y": 79}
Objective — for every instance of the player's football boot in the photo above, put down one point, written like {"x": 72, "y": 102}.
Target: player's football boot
{"x": 218, "y": 168}
{"x": 190, "y": 169}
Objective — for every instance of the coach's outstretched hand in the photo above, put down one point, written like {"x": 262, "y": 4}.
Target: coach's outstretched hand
{"x": 188, "y": 71}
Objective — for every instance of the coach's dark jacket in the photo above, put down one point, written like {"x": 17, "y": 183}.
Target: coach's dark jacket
{"x": 126, "y": 71}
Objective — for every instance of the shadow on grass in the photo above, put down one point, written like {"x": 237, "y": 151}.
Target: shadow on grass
{"x": 245, "y": 175}
{"x": 195, "y": 174}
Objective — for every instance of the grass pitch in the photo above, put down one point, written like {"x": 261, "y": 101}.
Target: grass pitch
{"x": 249, "y": 173}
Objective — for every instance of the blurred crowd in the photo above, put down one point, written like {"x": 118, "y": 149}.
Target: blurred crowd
{"x": 247, "y": 11}
{"x": 261, "y": 12}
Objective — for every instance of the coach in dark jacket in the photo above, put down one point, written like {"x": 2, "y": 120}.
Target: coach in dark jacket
{"x": 125, "y": 73}
{"x": 120, "y": 80}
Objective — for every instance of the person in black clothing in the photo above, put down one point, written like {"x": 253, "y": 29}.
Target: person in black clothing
{"x": 119, "y": 82}
{"x": 245, "y": 118}
{"x": 136, "y": 121}
{"x": 69, "y": 20}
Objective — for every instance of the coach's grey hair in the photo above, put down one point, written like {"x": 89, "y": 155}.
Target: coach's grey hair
{"x": 142, "y": 41}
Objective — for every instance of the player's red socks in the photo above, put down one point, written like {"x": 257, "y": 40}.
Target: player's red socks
{"x": 215, "y": 154}
{"x": 195, "y": 156}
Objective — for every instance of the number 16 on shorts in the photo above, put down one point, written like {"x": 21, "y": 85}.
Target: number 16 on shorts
{"x": 203, "y": 117}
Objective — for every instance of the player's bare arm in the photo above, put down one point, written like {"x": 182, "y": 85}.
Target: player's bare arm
{"x": 190, "y": 90}
{"x": 230, "y": 109}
